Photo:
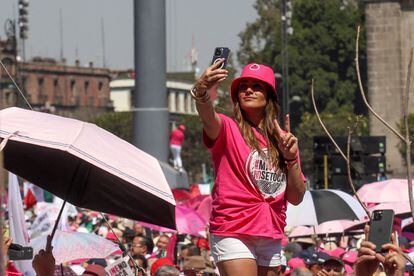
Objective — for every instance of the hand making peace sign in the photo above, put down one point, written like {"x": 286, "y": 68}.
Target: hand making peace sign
{"x": 287, "y": 142}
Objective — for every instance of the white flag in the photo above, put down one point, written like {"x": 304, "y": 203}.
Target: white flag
{"x": 18, "y": 230}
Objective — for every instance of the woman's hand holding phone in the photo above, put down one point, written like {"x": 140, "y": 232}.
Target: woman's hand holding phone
{"x": 369, "y": 259}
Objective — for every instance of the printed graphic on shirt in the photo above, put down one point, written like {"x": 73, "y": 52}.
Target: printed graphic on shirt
{"x": 270, "y": 181}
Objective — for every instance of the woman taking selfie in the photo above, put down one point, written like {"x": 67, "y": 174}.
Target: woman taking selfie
{"x": 257, "y": 171}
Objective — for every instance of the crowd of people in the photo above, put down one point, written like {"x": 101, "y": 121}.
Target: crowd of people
{"x": 257, "y": 173}
{"x": 158, "y": 253}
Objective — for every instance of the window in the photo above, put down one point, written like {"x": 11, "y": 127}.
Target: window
{"x": 86, "y": 86}
{"x": 72, "y": 85}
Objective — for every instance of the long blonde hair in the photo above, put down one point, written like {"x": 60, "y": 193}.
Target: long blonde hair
{"x": 268, "y": 130}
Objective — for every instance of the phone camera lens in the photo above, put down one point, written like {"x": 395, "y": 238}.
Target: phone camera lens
{"x": 377, "y": 215}
{"x": 218, "y": 52}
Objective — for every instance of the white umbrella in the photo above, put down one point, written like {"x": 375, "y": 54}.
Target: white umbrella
{"x": 319, "y": 206}
{"x": 86, "y": 166}
{"x": 69, "y": 246}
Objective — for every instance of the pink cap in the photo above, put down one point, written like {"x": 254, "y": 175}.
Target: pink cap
{"x": 295, "y": 263}
{"x": 350, "y": 257}
{"x": 337, "y": 252}
{"x": 348, "y": 269}
{"x": 254, "y": 71}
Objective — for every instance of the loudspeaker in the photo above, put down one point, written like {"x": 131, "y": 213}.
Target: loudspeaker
{"x": 359, "y": 144}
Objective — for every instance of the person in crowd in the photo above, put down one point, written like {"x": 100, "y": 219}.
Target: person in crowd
{"x": 160, "y": 263}
{"x": 370, "y": 262}
{"x": 176, "y": 142}
{"x": 167, "y": 270}
{"x": 301, "y": 271}
{"x": 257, "y": 170}
{"x": 161, "y": 245}
{"x": 333, "y": 267}
{"x": 142, "y": 245}
{"x": 140, "y": 260}
{"x": 139, "y": 229}
{"x": 44, "y": 262}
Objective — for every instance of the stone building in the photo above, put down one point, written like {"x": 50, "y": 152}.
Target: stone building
{"x": 390, "y": 36}
{"x": 72, "y": 91}
{"x": 8, "y": 92}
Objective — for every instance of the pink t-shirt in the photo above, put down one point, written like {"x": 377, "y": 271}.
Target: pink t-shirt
{"x": 177, "y": 137}
{"x": 248, "y": 194}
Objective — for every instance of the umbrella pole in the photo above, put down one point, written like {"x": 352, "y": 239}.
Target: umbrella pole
{"x": 2, "y": 181}
{"x": 121, "y": 246}
{"x": 57, "y": 221}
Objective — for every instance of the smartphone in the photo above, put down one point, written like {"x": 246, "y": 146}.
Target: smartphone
{"x": 219, "y": 53}
{"x": 380, "y": 228}
{"x": 25, "y": 253}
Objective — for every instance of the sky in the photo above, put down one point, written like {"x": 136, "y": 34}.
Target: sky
{"x": 210, "y": 23}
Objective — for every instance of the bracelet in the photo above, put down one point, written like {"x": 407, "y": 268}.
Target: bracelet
{"x": 200, "y": 99}
{"x": 290, "y": 160}
{"x": 291, "y": 163}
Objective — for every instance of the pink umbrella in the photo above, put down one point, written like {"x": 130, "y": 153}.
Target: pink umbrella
{"x": 401, "y": 209}
{"x": 391, "y": 190}
{"x": 334, "y": 226}
{"x": 69, "y": 246}
{"x": 189, "y": 221}
{"x": 85, "y": 165}
{"x": 204, "y": 209}
{"x": 301, "y": 231}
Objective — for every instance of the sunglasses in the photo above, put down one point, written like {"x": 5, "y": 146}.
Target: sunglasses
{"x": 255, "y": 86}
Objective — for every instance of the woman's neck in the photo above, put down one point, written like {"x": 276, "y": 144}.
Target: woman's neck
{"x": 255, "y": 119}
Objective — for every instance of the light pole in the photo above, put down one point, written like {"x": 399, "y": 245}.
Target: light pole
{"x": 285, "y": 29}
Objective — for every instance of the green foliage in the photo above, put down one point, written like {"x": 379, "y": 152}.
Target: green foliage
{"x": 194, "y": 153}
{"x": 118, "y": 123}
{"x": 322, "y": 48}
{"x": 337, "y": 124}
{"x": 401, "y": 145}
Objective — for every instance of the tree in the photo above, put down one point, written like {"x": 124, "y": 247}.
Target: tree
{"x": 401, "y": 128}
{"x": 118, "y": 123}
{"x": 321, "y": 48}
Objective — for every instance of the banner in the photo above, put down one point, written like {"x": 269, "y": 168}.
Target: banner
{"x": 18, "y": 230}
{"x": 119, "y": 268}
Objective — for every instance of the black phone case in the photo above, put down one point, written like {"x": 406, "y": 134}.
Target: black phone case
{"x": 25, "y": 254}
{"x": 381, "y": 228}
{"x": 221, "y": 52}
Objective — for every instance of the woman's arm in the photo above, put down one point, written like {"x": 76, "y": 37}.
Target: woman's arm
{"x": 296, "y": 186}
{"x": 288, "y": 145}
{"x": 209, "y": 80}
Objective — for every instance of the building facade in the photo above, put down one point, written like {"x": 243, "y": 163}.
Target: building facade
{"x": 70, "y": 91}
{"x": 76, "y": 91}
{"x": 390, "y": 36}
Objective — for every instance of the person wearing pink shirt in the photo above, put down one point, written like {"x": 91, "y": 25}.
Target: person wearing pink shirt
{"x": 176, "y": 143}
{"x": 257, "y": 171}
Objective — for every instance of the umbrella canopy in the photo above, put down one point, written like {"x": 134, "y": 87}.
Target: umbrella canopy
{"x": 86, "y": 165}
{"x": 189, "y": 221}
{"x": 391, "y": 190}
{"x": 334, "y": 226}
{"x": 301, "y": 231}
{"x": 69, "y": 246}
{"x": 401, "y": 208}
{"x": 319, "y": 206}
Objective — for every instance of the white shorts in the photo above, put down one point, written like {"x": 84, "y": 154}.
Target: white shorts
{"x": 266, "y": 251}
